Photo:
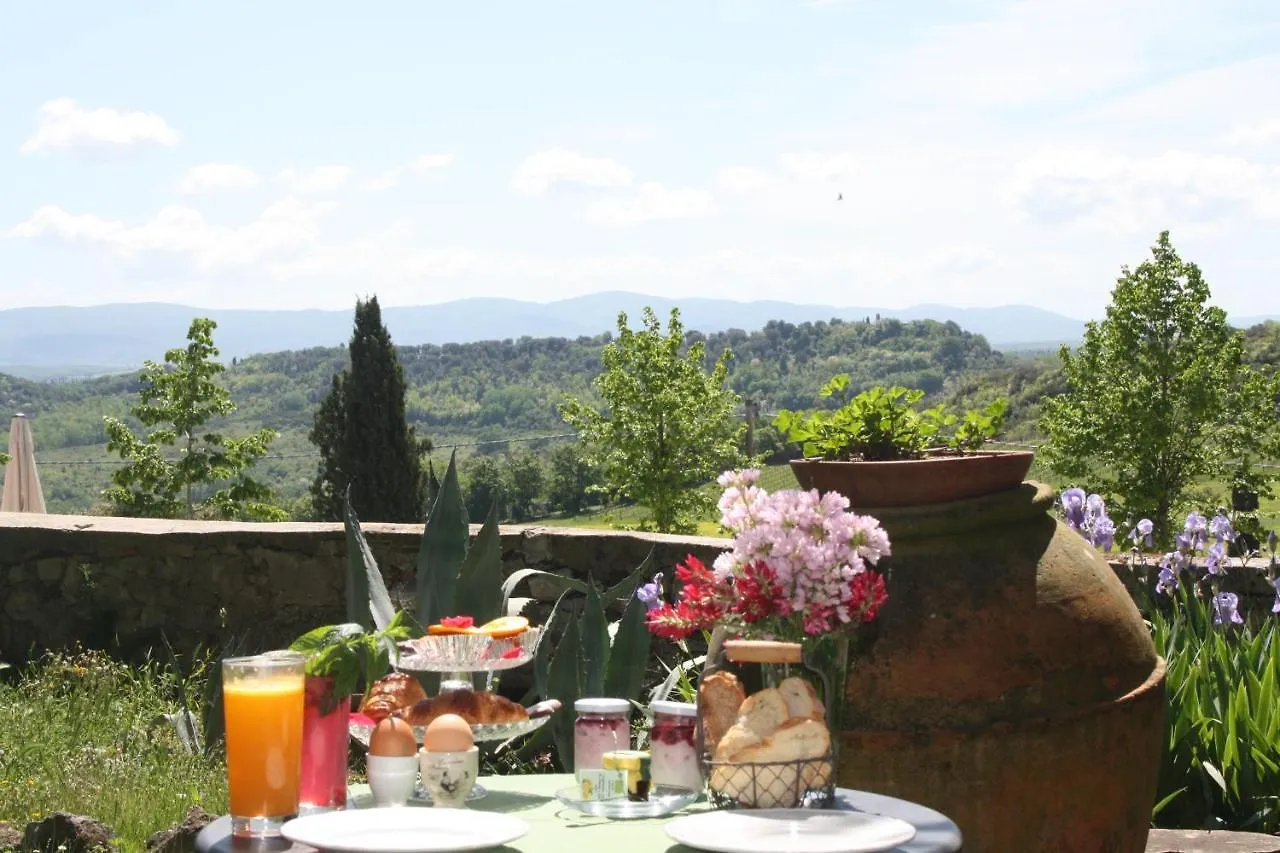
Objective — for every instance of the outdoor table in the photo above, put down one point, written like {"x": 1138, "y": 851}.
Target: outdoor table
{"x": 554, "y": 827}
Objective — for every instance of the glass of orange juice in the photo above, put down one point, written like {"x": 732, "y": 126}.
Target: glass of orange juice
{"x": 262, "y": 699}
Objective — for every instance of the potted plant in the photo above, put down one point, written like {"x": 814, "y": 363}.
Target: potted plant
{"x": 880, "y": 449}
{"x": 339, "y": 658}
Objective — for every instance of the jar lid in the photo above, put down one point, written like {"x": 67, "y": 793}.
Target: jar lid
{"x": 675, "y": 709}
{"x": 602, "y": 706}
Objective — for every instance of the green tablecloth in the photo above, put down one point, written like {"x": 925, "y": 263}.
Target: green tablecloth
{"x": 555, "y": 828}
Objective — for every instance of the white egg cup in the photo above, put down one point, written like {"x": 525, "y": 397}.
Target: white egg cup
{"x": 448, "y": 777}
{"x": 392, "y": 778}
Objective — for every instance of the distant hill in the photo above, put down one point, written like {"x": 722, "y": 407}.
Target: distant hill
{"x": 60, "y": 342}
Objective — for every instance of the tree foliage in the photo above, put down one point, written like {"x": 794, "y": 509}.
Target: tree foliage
{"x": 667, "y": 425}
{"x": 1159, "y": 394}
{"x": 527, "y": 478}
{"x": 363, "y": 437}
{"x": 210, "y": 479}
{"x": 571, "y": 480}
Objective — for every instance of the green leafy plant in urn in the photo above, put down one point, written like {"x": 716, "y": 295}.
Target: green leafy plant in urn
{"x": 1009, "y": 681}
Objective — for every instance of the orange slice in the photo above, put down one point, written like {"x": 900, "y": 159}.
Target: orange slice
{"x": 441, "y": 630}
{"x": 506, "y": 626}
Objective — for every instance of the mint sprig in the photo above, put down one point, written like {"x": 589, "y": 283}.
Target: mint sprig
{"x": 347, "y": 651}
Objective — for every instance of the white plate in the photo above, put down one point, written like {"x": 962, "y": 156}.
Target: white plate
{"x": 790, "y": 831}
{"x": 404, "y": 830}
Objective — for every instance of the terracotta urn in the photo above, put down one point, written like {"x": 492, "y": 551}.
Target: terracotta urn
{"x": 1009, "y": 682}
{"x": 911, "y": 482}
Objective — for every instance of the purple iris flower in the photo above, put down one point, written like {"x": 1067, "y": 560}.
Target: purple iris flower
{"x": 1221, "y": 528}
{"x": 1073, "y": 505}
{"x": 1104, "y": 533}
{"x": 651, "y": 593}
{"x": 1275, "y": 608}
{"x": 1183, "y": 542}
{"x": 1197, "y": 530}
{"x": 1225, "y": 611}
{"x": 1168, "y": 582}
{"x": 1216, "y": 559}
{"x": 1142, "y": 531}
{"x": 1271, "y": 542}
{"x": 1094, "y": 507}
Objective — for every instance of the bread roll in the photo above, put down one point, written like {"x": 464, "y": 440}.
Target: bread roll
{"x": 781, "y": 785}
{"x": 720, "y": 695}
{"x": 802, "y": 700}
{"x": 477, "y": 708}
{"x": 764, "y": 712}
{"x": 389, "y": 694}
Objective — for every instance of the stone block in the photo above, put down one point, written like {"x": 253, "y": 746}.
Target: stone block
{"x": 182, "y": 837}
{"x": 1202, "y": 841}
{"x": 50, "y": 569}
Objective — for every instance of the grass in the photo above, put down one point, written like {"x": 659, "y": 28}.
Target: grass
{"x": 82, "y": 733}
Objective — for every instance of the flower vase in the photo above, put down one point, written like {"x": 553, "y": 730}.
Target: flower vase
{"x": 325, "y": 741}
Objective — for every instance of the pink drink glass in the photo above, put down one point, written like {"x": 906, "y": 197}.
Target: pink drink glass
{"x": 323, "y": 784}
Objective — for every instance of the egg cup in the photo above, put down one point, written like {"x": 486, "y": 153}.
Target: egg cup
{"x": 448, "y": 777}
{"x": 392, "y": 778}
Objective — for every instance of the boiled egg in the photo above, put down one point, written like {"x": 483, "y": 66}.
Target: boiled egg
{"x": 393, "y": 736}
{"x": 447, "y": 733}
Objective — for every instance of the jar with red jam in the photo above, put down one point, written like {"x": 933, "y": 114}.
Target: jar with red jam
{"x": 603, "y": 725}
{"x": 673, "y": 757}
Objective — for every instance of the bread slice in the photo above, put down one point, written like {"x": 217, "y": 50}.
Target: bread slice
{"x": 734, "y": 741}
{"x": 720, "y": 695}
{"x": 764, "y": 712}
{"x": 802, "y": 700}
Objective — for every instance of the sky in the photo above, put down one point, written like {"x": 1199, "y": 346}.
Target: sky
{"x": 849, "y": 152}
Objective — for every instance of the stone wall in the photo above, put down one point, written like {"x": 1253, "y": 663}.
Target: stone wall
{"x": 122, "y": 584}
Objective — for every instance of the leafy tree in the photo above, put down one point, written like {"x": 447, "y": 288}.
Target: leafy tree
{"x": 1159, "y": 394}
{"x": 527, "y": 477}
{"x": 572, "y": 479}
{"x": 211, "y": 477}
{"x": 667, "y": 425}
{"x": 365, "y": 441}
{"x": 486, "y": 485}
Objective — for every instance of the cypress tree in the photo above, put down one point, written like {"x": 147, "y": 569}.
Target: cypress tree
{"x": 364, "y": 439}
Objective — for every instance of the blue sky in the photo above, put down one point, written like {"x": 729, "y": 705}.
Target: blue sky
{"x": 290, "y": 154}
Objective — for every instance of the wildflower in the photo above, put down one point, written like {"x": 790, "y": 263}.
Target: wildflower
{"x": 1216, "y": 559}
{"x": 1073, "y": 504}
{"x": 1221, "y": 528}
{"x": 1197, "y": 530}
{"x": 1142, "y": 531}
{"x": 1275, "y": 608}
{"x": 1103, "y": 533}
{"x": 651, "y": 593}
{"x": 1225, "y": 611}
{"x": 1094, "y": 507}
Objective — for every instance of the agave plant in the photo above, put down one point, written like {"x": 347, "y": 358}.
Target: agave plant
{"x": 581, "y": 654}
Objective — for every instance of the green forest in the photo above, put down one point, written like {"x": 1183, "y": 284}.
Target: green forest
{"x": 480, "y": 396}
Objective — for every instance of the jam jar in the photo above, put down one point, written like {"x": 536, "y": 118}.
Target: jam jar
{"x": 603, "y": 725}
{"x": 674, "y": 760}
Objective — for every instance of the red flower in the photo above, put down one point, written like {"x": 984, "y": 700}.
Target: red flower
{"x": 457, "y": 622}
{"x": 866, "y": 595}
{"x": 701, "y": 604}
{"x": 756, "y": 593}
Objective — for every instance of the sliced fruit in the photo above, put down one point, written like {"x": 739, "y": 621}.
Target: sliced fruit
{"x": 506, "y": 626}
{"x": 438, "y": 630}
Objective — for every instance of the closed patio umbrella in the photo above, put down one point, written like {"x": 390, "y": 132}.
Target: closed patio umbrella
{"x": 22, "y": 492}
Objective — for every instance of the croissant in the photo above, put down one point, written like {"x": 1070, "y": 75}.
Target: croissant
{"x": 391, "y": 693}
{"x": 477, "y": 708}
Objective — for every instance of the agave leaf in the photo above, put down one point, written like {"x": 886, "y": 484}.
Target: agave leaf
{"x": 366, "y": 591}
{"x": 444, "y": 546}
{"x": 433, "y": 484}
{"x": 563, "y": 583}
{"x": 625, "y": 674}
{"x": 595, "y": 644}
{"x": 479, "y": 585}
{"x": 626, "y": 588}
{"x": 563, "y": 684}
{"x": 542, "y": 655}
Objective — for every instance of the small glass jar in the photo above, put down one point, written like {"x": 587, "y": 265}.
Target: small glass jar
{"x": 603, "y": 725}
{"x": 674, "y": 759}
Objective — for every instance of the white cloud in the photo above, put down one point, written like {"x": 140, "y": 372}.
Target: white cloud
{"x": 744, "y": 180}
{"x": 1254, "y": 135}
{"x": 540, "y": 171}
{"x": 215, "y": 177}
{"x": 63, "y": 125}
{"x": 177, "y": 230}
{"x": 321, "y": 179}
{"x": 423, "y": 165}
{"x": 650, "y": 202}
{"x": 813, "y": 166}
{"x": 1112, "y": 192}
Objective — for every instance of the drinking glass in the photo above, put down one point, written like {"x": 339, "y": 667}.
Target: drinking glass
{"x": 325, "y": 738}
{"x": 263, "y": 707}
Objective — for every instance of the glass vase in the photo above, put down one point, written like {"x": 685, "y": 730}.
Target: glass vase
{"x": 325, "y": 741}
